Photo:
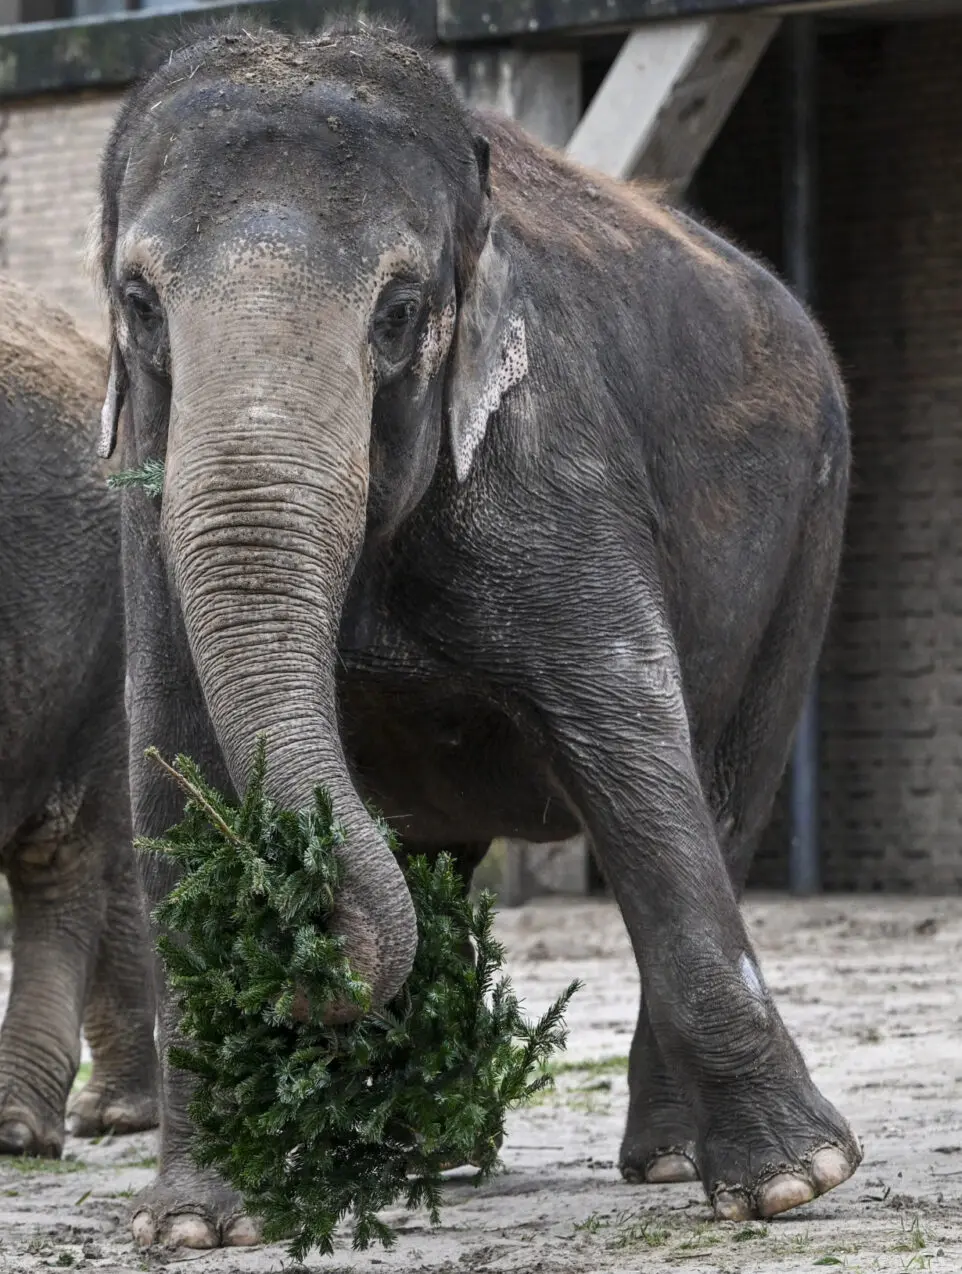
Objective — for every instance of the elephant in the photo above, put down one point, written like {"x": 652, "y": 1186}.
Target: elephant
{"x": 497, "y": 494}
{"x": 80, "y": 946}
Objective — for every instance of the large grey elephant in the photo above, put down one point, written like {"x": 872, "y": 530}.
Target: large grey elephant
{"x": 496, "y": 493}
{"x": 80, "y": 949}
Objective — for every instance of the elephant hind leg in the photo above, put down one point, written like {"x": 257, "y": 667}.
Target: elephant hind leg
{"x": 753, "y": 751}
{"x": 122, "y": 1092}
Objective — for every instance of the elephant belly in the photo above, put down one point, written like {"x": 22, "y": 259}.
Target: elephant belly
{"x": 445, "y": 767}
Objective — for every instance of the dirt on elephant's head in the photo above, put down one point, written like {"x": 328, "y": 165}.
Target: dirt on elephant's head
{"x": 374, "y": 62}
{"x": 346, "y": 51}
{"x": 354, "y": 93}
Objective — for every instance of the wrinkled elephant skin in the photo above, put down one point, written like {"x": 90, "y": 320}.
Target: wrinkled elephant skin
{"x": 80, "y": 947}
{"x": 498, "y": 494}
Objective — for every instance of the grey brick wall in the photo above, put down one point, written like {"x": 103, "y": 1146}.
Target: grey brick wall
{"x": 891, "y": 286}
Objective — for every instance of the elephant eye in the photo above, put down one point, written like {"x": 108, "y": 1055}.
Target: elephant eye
{"x": 395, "y": 324}
{"x": 143, "y": 304}
{"x": 401, "y": 313}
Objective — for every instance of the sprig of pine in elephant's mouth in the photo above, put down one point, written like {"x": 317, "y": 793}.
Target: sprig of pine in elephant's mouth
{"x": 150, "y": 476}
{"x": 315, "y": 1123}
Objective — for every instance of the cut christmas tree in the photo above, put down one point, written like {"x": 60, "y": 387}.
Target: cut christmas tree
{"x": 315, "y": 1123}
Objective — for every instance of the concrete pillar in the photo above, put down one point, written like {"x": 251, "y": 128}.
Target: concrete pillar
{"x": 542, "y": 91}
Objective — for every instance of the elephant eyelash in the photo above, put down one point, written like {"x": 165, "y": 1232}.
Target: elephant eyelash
{"x": 399, "y": 310}
{"x": 141, "y": 297}
{"x": 402, "y": 312}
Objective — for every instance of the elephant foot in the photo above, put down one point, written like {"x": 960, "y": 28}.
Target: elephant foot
{"x": 187, "y": 1208}
{"x": 658, "y": 1147}
{"x": 788, "y": 1186}
{"x": 25, "y": 1132}
{"x": 666, "y": 1165}
{"x": 760, "y": 1167}
{"x": 108, "y": 1107}
{"x": 763, "y": 1155}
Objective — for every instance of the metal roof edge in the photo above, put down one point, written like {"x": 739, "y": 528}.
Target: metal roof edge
{"x": 112, "y": 50}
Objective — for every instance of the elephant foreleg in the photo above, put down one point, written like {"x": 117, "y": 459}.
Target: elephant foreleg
{"x": 765, "y": 1139}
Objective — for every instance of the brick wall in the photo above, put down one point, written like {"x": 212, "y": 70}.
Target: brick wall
{"x": 889, "y": 290}
{"x": 49, "y": 160}
{"x": 891, "y": 282}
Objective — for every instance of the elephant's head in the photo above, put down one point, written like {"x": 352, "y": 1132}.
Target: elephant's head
{"x": 310, "y": 312}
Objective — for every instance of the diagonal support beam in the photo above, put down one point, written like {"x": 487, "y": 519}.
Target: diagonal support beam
{"x": 666, "y": 96}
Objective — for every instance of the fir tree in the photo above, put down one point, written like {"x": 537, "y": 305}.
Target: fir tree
{"x": 315, "y": 1123}
{"x": 150, "y": 476}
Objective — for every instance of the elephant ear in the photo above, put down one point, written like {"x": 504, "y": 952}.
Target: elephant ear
{"x": 113, "y": 404}
{"x": 490, "y": 352}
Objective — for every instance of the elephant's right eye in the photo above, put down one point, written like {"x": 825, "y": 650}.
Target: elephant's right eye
{"x": 143, "y": 304}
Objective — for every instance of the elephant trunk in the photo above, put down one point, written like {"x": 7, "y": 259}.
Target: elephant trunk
{"x": 263, "y": 517}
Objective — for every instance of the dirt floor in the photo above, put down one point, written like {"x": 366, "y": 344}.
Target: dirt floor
{"x": 871, "y": 989}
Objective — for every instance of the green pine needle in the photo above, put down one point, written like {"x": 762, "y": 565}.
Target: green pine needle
{"x": 150, "y": 476}
{"x": 314, "y": 1123}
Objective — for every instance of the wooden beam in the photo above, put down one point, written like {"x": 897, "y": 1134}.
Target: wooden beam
{"x": 666, "y": 96}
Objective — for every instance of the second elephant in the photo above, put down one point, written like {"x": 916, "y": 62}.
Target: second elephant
{"x": 80, "y": 946}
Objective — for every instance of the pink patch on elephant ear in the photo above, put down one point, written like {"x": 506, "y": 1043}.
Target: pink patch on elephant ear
{"x": 490, "y": 354}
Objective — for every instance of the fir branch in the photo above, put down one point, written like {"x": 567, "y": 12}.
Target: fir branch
{"x": 150, "y": 476}
{"x": 316, "y": 1123}
{"x": 196, "y": 791}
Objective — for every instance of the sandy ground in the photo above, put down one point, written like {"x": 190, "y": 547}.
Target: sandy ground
{"x": 873, "y": 993}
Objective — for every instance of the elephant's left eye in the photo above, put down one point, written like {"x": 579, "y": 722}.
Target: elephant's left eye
{"x": 395, "y": 324}
{"x": 401, "y": 313}
{"x": 143, "y": 304}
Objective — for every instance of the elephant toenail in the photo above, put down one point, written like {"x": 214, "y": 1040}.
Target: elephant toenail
{"x": 142, "y": 1228}
{"x": 15, "y": 1138}
{"x": 783, "y": 1192}
{"x": 830, "y": 1167}
{"x": 190, "y": 1231}
{"x": 732, "y": 1205}
{"x": 670, "y": 1168}
{"x": 242, "y": 1231}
